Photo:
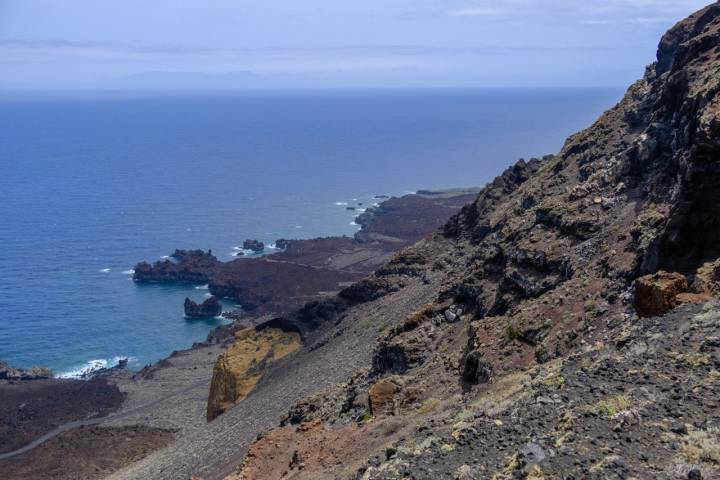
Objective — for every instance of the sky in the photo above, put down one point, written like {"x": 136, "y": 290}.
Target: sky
{"x": 100, "y": 44}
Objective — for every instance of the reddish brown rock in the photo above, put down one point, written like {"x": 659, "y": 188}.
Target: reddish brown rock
{"x": 381, "y": 397}
{"x": 656, "y": 294}
{"x": 688, "y": 297}
{"x": 310, "y": 450}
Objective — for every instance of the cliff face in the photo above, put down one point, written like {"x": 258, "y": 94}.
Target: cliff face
{"x": 243, "y": 365}
{"x": 512, "y": 364}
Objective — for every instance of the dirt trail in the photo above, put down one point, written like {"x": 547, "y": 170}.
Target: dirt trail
{"x": 96, "y": 421}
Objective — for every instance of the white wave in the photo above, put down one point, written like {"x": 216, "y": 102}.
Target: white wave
{"x": 252, "y": 253}
{"x": 128, "y": 272}
{"x": 237, "y": 249}
{"x": 353, "y": 223}
{"x": 165, "y": 257}
{"x": 92, "y": 366}
{"x": 105, "y": 270}
{"x": 272, "y": 246}
{"x": 208, "y": 294}
{"x": 341, "y": 204}
{"x": 202, "y": 287}
{"x": 361, "y": 210}
{"x": 298, "y": 226}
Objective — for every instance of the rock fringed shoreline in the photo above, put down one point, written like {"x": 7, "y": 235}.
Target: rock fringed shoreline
{"x": 35, "y": 373}
{"x": 303, "y": 271}
{"x": 320, "y": 267}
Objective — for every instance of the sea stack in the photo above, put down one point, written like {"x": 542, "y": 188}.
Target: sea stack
{"x": 208, "y": 309}
{"x": 254, "y": 245}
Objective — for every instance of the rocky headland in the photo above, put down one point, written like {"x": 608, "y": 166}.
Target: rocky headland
{"x": 193, "y": 267}
{"x": 306, "y": 270}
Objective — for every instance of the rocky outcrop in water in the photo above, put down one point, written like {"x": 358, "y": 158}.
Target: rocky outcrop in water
{"x": 209, "y": 308}
{"x": 309, "y": 270}
{"x": 254, "y": 245}
{"x": 184, "y": 266}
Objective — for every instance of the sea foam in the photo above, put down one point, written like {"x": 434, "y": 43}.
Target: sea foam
{"x": 93, "y": 366}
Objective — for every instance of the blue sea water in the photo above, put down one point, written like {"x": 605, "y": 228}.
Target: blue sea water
{"x": 92, "y": 183}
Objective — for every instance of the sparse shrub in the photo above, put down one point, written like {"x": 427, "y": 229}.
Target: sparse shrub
{"x": 429, "y": 405}
{"x": 392, "y": 426}
{"x": 366, "y": 416}
{"x": 590, "y": 306}
{"x": 541, "y": 354}
{"x": 613, "y": 405}
{"x": 701, "y": 445}
{"x": 554, "y": 381}
{"x": 513, "y": 331}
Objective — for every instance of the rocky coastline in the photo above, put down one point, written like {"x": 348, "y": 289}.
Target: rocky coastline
{"x": 306, "y": 270}
{"x": 322, "y": 266}
{"x": 563, "y": 322}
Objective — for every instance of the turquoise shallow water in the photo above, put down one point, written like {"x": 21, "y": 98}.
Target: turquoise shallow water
{"x": 92, "y": 183}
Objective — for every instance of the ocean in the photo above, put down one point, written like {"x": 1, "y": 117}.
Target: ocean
{"x": 91, "y": 183}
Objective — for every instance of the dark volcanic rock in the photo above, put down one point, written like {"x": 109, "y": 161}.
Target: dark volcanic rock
{"x": 254, "y": 245}
{"x": 184, "y": 266}
{"x": 309, "y": 270}
{"x": 35, "y": 373}
{"x": 211, "y": 307}
{"x": 30, "y": 409}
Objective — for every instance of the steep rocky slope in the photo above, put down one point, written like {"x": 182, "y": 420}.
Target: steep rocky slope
{"x": 522, "y": 355}
{"x": 508, "y": 345}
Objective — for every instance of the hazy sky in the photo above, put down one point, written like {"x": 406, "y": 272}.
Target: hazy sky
{"x": 318, "y": 43}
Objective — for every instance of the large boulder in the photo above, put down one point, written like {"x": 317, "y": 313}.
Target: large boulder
{"x": 656, "y": 294}
{"x": 381, "y": 397}
{"x": 207, "y": 309}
